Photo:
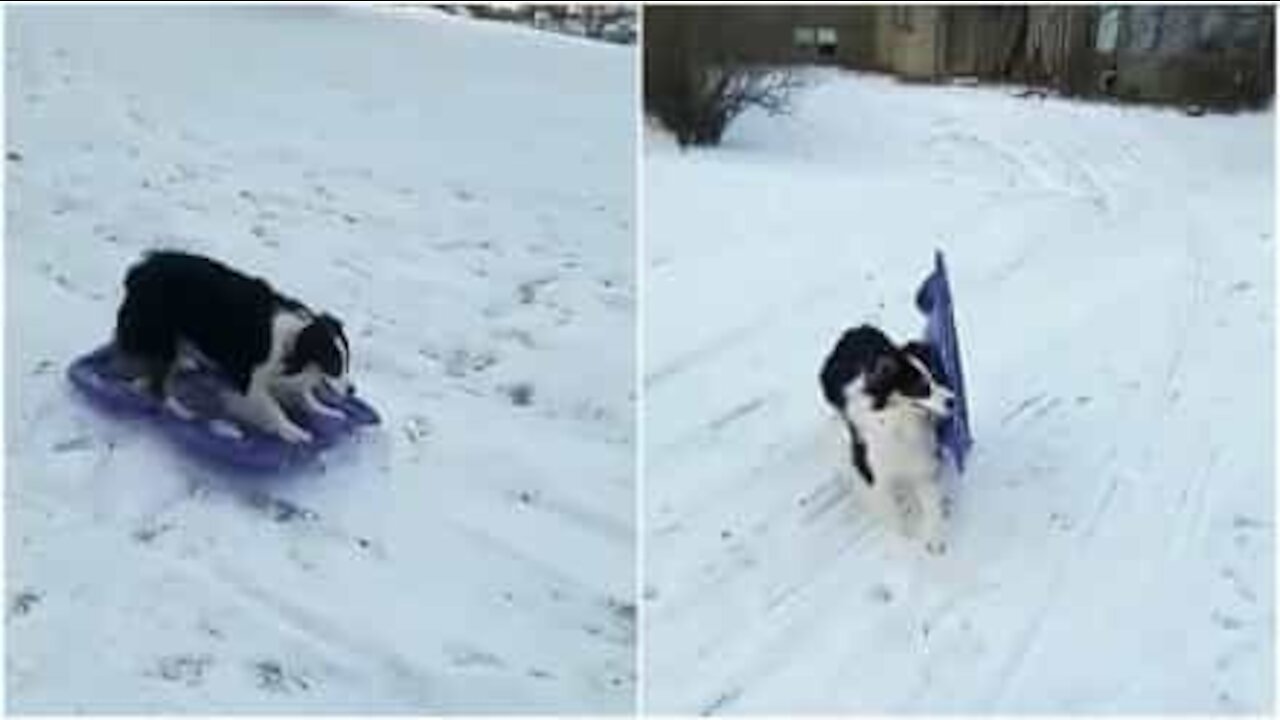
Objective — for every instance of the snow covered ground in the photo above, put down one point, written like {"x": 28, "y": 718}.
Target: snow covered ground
{"x": 461, "y": 193}
{"x": 1111, "y": 548}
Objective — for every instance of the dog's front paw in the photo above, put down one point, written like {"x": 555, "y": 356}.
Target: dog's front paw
{"x": 176, "y": 407}
{"x": 325, "y": 411}
{"x": 294, "y": 434}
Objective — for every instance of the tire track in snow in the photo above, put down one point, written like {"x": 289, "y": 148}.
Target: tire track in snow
{"x": 1187, "y": 320}
{"x": 788, "y": 590}
{"x": 1194, "y": 505}
{"x": 1048, "y": 168}
{"x": 410, "y": 681}
{"x": 336, "y": 647}
{"x": 733, "y": 337}
{"x": 802, "y": 546}
{"x": 1015, "y": 665}
{"x": 778, "y": 512}
{"x": 707, "y": 434}
{"x": 1190, "y": 505}
{"x": 789, "y": 626}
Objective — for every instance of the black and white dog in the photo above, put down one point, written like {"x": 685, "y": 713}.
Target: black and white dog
{"x": 890, "y": 401}
{"x": 272, "y": 348}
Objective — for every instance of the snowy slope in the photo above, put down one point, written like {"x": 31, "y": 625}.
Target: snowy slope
{"x": 461, "y": 194}
{"x": 1111, "y": 545}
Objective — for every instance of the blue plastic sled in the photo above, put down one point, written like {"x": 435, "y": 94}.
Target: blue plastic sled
{"x": 205, "y": 431}
{"x": 934, "y": 300}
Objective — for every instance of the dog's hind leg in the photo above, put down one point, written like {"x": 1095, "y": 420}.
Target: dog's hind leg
{"x": 933, "y": 511}
{"x": 904, "y": 505}
{"x": 886, "y": 502}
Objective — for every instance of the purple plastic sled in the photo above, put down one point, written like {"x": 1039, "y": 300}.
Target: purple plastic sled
{"x": 934, "y": 300}
{"x": 204, "y": 429}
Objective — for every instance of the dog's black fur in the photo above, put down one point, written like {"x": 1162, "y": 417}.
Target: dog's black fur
{"x": 173, "y": 296}
{"x": 867, "y": 352}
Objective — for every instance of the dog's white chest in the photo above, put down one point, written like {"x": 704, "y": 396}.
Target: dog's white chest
{"x": 900, "y": 444}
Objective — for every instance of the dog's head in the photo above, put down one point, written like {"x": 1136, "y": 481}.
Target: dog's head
{"x": 321, "y": 348}
{"x": 907, "y": 376}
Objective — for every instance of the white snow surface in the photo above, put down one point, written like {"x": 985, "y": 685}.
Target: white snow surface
{"x": 461, "y": 194}
{"x": 1111, "y": 545}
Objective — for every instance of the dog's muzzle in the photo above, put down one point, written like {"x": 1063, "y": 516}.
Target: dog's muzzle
{"x": 940, "y": 404}
{"x": 341, "y": 386}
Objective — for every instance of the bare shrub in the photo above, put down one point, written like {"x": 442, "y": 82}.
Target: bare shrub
{"x": 696, "y": 85}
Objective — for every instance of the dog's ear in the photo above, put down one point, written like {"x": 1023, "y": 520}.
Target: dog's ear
{"x": 314, "y": 345}
{"x": 334, "y": 325}
{"x": 302, "y": 350}
{"x": 925, "y": 353}
{"x": 327, "y": 320}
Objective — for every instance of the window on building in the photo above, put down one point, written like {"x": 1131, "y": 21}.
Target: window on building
{"x": 805, "y": 37}
{"x": 1108, "y": 36}
{"x": 820, "y": 41}
{"x": 828, "y": 42}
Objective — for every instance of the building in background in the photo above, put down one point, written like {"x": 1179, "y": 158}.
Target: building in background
{"x": 1214, "y": 56}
